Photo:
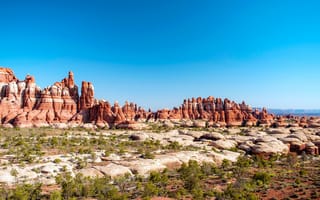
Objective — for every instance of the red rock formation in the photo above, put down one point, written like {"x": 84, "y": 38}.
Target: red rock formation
{"x": 24, "y": 104}
{"x": 129, "y": 111}
{"x": 7, "y": 75}
{"x": 30, "y": 92}
{"x": 303, "y": 122}
{"x": 103, "y": 114}
{"x": 265, "y": 119}
{"x": 87, "y": 96}
{"x": 216, "y": 111}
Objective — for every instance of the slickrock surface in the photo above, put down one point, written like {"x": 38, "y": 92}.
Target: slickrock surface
{"x": 169, "y": 149}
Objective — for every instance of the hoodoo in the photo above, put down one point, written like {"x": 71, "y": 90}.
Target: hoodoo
{"x": 24, "y": 104}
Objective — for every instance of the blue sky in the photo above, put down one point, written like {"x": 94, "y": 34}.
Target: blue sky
{"x": 156, "y": 53}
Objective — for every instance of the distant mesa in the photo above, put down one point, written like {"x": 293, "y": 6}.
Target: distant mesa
{"x": 24, "y": 104}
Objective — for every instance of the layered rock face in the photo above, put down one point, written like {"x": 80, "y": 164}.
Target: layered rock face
{"x": 24, "y": 104}
{"x": 216, "y": 111}
{"x": 103, "y": 114}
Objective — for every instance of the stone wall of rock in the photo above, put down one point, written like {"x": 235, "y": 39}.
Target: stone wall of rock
{"x": 216, "y": 111}
{"x": 103, "y": 114}
{"x": 24, "y": 104}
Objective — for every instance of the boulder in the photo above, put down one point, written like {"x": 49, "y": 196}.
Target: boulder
{"x": 186, "y": 156}
{"x": 265, "y": 139}
{"x": 187, "y": 123}
{"x": 168, "y": 124}
{"x": 91, "y": 172}
{"x": 113, "y": 170}
{"x": 289, "y": 140}
{"x": 270, "y": 147}
{"x": 143, "y": 166}
{"x": 51, "y": 168}
{"x": 169, "y": 160}
{"x": 200, "y": 124}
{"x": 240, "y": 138}
{"x": 212, "y": 136}
{"x": 194, "y": 134}
{"x": 299, "y": 135}
{"x": 218, "y": 157}
{"x": 184, "y": 140}
{"x": 297, "y": 147}
{"x": 224, "y": 144}
{"x": 246, "y": 146}
{"x": 312, "y": 149}
{"x": 278, "y": 131}
{"x": 139, "y": 136}
{"x": 314, "y": 125}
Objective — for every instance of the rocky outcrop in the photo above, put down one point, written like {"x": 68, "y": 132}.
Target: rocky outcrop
{"x": 24, "y": 104}
{"x": 54, "y": 104}
{"x": 87, "y": 96}
{"x": 216, "y": 112}
{"x": 7, "y": 75}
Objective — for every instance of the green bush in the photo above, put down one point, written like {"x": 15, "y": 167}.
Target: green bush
{"x": 150, "y": 190}
{"x": 174, "y": 146}
{"x": 56, "y": 195}
{"x": 57, "y": 161}
{"x": 262, "y": 178}
{"x": 208, "y": 169}
{"x": 191, "y": 174}
{"x": 26, "y": 192}
{"x": 148, "y": 155}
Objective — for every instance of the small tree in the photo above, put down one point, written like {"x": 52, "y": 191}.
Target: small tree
{"x": 262, "y": 178}
{"x": 191, "y": 174}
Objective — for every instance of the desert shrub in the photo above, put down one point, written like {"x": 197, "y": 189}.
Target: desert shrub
{"x": 225, "y": 164}
{"x": 81, "y": 163}
{"x": 265, "y": 162}
{"x": 56, "y": 195}
{"x": 123, "y": 182}
{"x": 262, "y": 178}
{"x": 243, "y": 162}
{"x": 240, "y": 167}
{"x": 81, "y": 186}
{"x": 57, "y": 160}
{"x": 150, "y": 190}
{"x": 148, "y": 155}
{"x": 208, "y": 169}
{"x": 191, "y": 174}
{"x": 159, "y": 179}
{"x": 232, "y": 192}
{"x": 291, "y": 160}
{"x": 26, "y": 192}
{"x": 197, "y": 193}
{"x": 173, "y": 146}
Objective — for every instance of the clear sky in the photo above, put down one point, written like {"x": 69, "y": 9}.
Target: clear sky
{"x": 156, "y": 53}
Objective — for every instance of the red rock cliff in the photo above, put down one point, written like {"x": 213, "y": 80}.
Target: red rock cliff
{"x": 215, "y": 110}
{"x": 24, "y": 104}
